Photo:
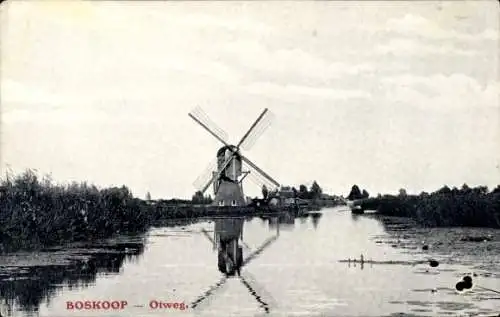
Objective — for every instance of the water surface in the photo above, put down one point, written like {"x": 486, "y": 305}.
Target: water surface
{"x": 299, "y": 273}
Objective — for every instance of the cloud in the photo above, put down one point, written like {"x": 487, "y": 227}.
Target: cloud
{"x": 191, "y": 16}
{"x": 449, "y": 92}
{"x": 418, "y": 47}
{"x": 411, "y": 24}
{"x": 416, "y": 25}
{"x": 15, "y": 93}
{"x": 490, "y": 34}
{"x": 289, "y": 64}
{"x": 292, "y": 91}
{"x": 28, "y": 103}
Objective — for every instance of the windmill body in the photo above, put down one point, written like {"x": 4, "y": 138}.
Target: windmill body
{"x": 227, "y": 176}
{"x": 228, "y": 189}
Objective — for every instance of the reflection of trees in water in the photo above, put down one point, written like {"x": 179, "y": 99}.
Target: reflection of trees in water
{"x": 395, "y": 225}
{"x": 315, "y": 219}
{"x": 30, "y": 286}
{"x": 287, "y": 220}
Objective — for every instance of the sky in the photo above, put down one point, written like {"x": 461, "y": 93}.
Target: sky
{"x": 386, "y": 95}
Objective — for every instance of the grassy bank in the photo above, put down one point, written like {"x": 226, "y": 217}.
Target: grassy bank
{"x": 36, "y": 212}
{"x": 466, "y": 207}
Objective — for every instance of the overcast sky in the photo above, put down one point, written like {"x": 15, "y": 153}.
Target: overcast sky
{"x": 383, "y": 95}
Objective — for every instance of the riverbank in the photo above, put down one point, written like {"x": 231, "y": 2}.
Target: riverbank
{"x": 466, "y": 207}
{"x": 36, "y": 213}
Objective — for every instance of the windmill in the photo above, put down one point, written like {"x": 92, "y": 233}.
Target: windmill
{"x": 226, "y": 174}
{"x": 227, "y": 235}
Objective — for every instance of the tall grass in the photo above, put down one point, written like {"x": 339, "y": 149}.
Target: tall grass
{"x": 471, "y": 207}
{"x": 36, "y": 212}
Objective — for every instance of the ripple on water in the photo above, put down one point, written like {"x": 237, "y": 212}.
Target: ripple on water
{"x": 403, "y": 315}
{"x": 421, "y": 310}
{"x": 426, "y": 272}
{"x": 419, "y": 303}
{"x": 430, "y": 290}
{"x": 455, "y": 306}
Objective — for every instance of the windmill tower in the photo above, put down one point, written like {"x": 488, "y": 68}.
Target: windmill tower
{"x": 226, "y": 175}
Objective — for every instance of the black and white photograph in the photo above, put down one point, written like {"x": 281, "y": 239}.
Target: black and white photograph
{"x": 249, "y": 158}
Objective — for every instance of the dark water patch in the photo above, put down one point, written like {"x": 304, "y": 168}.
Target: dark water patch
{"x": 448, "y": 270}
{"x": 421, "y": 310}
{"x": 428, "y": 290}
{"x": 483, "y": 238}
{"x": 403, "y": 315}
{"x": 486, "y": 311}
{"x": 488, "y": 270}
{"x": 27, "y": 280}
{"x": 390, "y": 262}
{"x": 454, "y": 306}
{"x": 445, "y": 289}
{"x": 165, "y": 235}
{"x": 426, "y": 272}
{"x": 419, "y": 303}
{"x": 396, "y": 302}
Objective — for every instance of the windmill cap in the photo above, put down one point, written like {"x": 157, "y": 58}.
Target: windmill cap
{"x": 223, "y": 149}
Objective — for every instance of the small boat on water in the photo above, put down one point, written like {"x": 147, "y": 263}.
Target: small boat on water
{"x": 357, "y": 210}
{"x": 362, "y": 206}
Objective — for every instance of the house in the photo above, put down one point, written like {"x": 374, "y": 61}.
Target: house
{"x": 285, "y": 196}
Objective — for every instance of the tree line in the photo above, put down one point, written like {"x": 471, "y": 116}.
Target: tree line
{"x": 314, "y": 192}
{"x": 465, "y": 206}
{"x": 356, "y": 193}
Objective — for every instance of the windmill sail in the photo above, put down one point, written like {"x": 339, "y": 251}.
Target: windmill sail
{"x": 209, "y": 292}
{"x": 257, "y": 252}
{"x": 254, "y": 293}
{"x": 231, "y": 182}
{"x": 258, "y": 179}
{"x": 257, "y": 130}
{"x": 217, "y": 175}
{"x": 198, "y": 115}
{"x": 259, "y": 288}
{"x": 255, "y": 168}
{"x": 206, "y": 176}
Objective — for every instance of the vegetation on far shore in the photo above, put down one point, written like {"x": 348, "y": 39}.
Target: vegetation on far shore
{"x": 446, "y": 207}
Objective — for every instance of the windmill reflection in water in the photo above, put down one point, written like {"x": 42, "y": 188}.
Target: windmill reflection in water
{"x": 228, "y": 234}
